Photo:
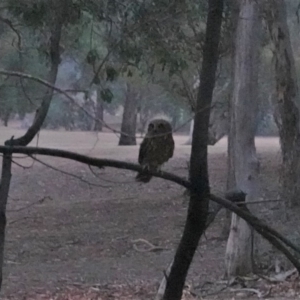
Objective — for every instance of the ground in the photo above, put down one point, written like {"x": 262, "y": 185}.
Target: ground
{"x": 65, "y": 233}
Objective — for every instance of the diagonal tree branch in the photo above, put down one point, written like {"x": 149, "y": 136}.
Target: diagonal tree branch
{"x": 275, "y": 238}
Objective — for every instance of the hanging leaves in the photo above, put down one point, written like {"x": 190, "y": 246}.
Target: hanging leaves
{"x": 111, "y": 73}
{"x": 107, "y": 95}
{"x": 92, "y": 57}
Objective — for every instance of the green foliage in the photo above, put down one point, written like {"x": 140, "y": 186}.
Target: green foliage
{"x": 107, "y": 95}
{"x": 92, "y": 57}
{"x": 41, "y": 13}
{"x": 111, "y": 73}
{"x": 142, "y": 41}
{"x": 20, "y": 96}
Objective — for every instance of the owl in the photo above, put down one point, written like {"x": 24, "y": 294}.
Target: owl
{"x": 156, "y": 148}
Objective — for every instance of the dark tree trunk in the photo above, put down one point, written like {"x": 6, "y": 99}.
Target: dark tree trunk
{"x": 5, "y": 184}
{"x": 199, "y": 199}
{"x": 128, "y": 128}
{"x": 99, "y": 113}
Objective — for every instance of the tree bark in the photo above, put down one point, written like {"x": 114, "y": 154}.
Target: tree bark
{"x": 189, "y": 141}
{"x": 4, "y": 189}
{"x": 230, "y": 184}
{"x": 218, "y": 120}
{"x": 243, "y": 160}
{"x": 99, "y": 113}
{"x": 128, "y": 128}
{"x": 286, "y": 102}
{"x": 200, "y": 191}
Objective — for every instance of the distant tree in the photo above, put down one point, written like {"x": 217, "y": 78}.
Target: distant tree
{"x": 99, "y": 112}
{"x": 128, "y": 127}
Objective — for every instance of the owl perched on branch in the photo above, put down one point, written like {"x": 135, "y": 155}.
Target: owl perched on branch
{"x": 156, "y": 148}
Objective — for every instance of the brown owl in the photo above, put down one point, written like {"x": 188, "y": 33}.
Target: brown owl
{"x": 156, "y": 148}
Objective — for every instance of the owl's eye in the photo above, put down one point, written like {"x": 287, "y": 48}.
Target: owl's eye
{"x": 151, "y": 126}
{"x": 160, "y": 125}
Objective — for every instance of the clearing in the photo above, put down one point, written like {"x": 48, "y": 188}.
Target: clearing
{"x": 63, "y": 232}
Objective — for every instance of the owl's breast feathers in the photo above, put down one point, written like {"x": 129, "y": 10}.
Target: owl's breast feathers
{"x": 154, "y": 151}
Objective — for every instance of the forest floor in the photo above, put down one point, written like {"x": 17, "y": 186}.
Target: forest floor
{"x": 65, "y": 236}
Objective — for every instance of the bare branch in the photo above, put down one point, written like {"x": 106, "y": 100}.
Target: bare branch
{"x": 267, "y": 232}
{"x": 11, "y": 26}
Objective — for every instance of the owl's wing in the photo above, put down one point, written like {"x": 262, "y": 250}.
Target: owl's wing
{"x": 171, "y": 147}
{"x": 143, "y": 150}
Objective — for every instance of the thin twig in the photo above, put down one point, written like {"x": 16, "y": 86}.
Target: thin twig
{"x": 69, "y": 174}
{"x": 11, "y": 26}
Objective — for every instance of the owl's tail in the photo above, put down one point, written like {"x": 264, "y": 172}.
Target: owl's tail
{"x": 143, "y": 176}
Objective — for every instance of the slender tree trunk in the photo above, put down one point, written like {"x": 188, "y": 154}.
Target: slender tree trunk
{"x": 128, "y": 128}
{"x": 189, "y": 141}
{"x": 244, "y": 108}
{"x": 40, "y": 116}
{"x": 230, "y": 184}
{"x": 99, "y": 114}
{"x": 6, "y": 119}
{"x": 218, "y": 120}
{"x": 4, "y": 189}
{"x": 286, "y": 101}
{"x": 199, "y": 199}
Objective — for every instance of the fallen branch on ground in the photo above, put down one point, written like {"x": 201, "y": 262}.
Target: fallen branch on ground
{"x": 259, "y": 294}
{"x": 280, "y": 277}
{"x": 152, "y": 248}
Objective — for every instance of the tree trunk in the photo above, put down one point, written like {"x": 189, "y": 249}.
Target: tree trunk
{"x": 6, "y": 118}
{"x": 199, "y": 199}
{"x": 218, "y": 120}
{"x": 99, "y": 113}
{"x": 40, "y": 116}
{"x": 244, "y": 108}
{"x": 189, "y": 141}
{"x": 4, "y": 189}
{"x": 286, "y": 101}
{"x": 230, "y": 184}
{"x": 128, "y": 128}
